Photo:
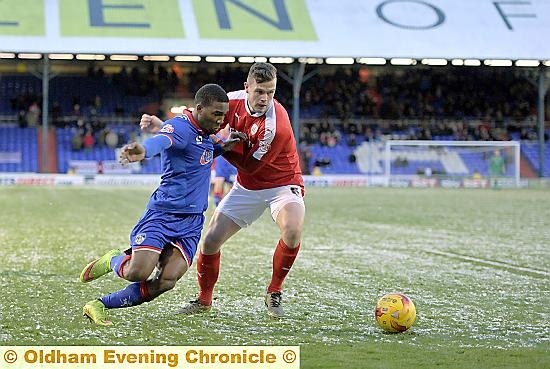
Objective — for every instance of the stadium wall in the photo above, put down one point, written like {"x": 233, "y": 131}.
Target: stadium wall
{"x": 61, "y": 180}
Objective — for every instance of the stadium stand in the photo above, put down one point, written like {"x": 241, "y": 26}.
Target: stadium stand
{"x": 346, "y": 112}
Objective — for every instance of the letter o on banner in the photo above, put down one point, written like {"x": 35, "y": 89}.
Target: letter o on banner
{"x": 439, "y": 15}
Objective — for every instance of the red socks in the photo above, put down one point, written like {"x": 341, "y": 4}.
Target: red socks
{"x": 283, "y": 258}
{"x": 208, "y": 269}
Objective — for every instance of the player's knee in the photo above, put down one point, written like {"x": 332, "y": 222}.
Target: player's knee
{"x": 211, "y": 242}
{"x": 292, "y": 235}
{"x": 135, "y": 274}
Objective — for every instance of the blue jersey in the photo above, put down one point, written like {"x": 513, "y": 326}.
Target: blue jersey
{"x": 186, "y": 155}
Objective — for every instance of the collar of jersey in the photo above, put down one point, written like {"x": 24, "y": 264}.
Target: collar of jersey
{"x": 189, "y": 114}
{"x": 255, "y": 115}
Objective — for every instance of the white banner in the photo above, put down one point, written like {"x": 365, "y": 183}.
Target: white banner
{"x": 486, "y": 29}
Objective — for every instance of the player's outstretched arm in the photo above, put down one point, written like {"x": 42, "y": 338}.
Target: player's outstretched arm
{"x": 131, "y": 152}
{"x": 150, "y": 123}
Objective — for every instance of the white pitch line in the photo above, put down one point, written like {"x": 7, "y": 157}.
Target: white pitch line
{"x": 490, "y": 262}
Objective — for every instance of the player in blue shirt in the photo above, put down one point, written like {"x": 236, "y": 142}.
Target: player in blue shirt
{"x": 167, "y": 234}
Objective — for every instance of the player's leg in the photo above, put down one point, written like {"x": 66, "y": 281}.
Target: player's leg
{"x": 288, "y": 211}
{"x": 149, "y": 237}
{"x": 115, "y": 259}
{"x": 132, "y": 295}
{"x": 132, "y": 267}
{"x": 238, "y": 209}
{"x": 172, "y": 266}
{"x": 220, "y": 229}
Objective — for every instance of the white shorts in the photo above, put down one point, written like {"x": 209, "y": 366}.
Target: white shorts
{"x": 245, "y": 206}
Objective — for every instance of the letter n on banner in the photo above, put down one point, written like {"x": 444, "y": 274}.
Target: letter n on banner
{"x": 21, "y": 18}
{"x": 253, "y": 20}
{"x": 127, "y": 18}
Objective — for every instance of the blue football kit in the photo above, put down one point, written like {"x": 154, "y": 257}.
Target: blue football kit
{"x": 174, "y": 213}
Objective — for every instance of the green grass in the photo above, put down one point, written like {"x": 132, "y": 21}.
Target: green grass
{"x": 475, "y": 262}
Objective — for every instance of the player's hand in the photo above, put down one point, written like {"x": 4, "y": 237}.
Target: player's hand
{"x": 238, "y": 135}
{"x": 131, "y": 152}
{"x": 234, "y": 139}
{"x": 150, "y": 123}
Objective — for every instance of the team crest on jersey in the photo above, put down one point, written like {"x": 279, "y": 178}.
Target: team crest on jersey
{"x": 198, "y": 140}
{"x": 254, "y": 129}
{"x": 168, "y": 128}
{"x": 140, "y": 238}
{"x": 206, "y": 157}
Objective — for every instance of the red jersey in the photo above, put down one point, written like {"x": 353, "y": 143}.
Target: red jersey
{"x": 269, "y": 158}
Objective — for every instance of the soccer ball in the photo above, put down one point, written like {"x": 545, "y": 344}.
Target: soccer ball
{"x": 395, "y": 312}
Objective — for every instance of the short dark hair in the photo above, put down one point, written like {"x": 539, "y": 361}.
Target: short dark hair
{"x": 209, "y": 94}
{"x": 262, "y": 72}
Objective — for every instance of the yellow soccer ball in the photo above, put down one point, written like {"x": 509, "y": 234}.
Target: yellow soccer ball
{"x": 395, "y": 312}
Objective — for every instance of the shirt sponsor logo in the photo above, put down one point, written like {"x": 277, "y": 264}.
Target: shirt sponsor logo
{"x": 206, "y": 157}
{"x": 168, "y": 128}
{"x": 140, "y": 238}
{"x": 198, "y": 140}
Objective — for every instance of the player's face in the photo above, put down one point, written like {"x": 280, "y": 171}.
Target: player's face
{"x": 209, "y": 118}
{"x": 260, "y": 95}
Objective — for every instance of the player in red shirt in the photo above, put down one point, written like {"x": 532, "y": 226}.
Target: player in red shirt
{"x": 268, "y": 176}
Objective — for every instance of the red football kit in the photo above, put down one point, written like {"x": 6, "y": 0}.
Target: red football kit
{"x": 269, "y": 159}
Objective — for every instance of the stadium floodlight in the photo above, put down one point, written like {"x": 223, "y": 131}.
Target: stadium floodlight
{"x": 311, "y": 60}
{"x": 122, "y": 57}
{"x": 156, "y": 58}
{"x": 498, "y": 62}
{"x": 7, "y": 56}
{"x": 372, "y": 61}
{"x": 281, "y": 60}
{"x": 61, "y": 56}
{"x": 252, "y": 59}
{"x": 434, "y": 61}
{"x": 402, "y": 61}
{"x": 457, "y": 62}
{"x": 188, "y": 58}
{"x": 527, "y": 63}
{"x": 449, "y": 161}
{"x": 340, "y": 61}
{"x": 29, "y": 56}
{"x": 90, "y": 57}
{"x": 472, "y": 62}
{"x": 220, "y": 59}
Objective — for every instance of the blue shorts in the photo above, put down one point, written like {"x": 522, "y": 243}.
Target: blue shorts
{"x": 225, "y": 169}
{"x": 156, "y": 229}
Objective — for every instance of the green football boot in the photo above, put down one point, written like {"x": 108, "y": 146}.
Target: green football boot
{"x": 98, "y": 267}
{"x": 96, "y": 312}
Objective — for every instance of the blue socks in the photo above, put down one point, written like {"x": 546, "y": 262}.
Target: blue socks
{"x": 134, "y": 294}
